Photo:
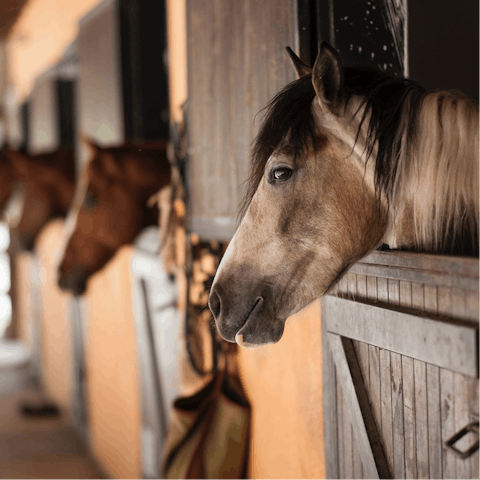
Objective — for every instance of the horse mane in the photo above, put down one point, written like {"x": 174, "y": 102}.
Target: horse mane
{"x": 422, "y": 142}
{"x": 61, "y": 160}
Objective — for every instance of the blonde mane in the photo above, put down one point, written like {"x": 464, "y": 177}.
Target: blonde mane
{"x": 438, "y": 172}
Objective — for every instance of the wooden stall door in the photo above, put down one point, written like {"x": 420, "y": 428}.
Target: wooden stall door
{"x": 112, "y": 371}
{"x": 56, "y": 337}
{"x": 402, "y": 375}
{"x": 236, "y": 64}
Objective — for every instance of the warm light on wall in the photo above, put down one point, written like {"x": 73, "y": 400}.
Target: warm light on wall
{"x": 5, "y": 301}
{"x": 43, "y": 31}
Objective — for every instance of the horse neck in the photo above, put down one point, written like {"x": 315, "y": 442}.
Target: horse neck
{"x": 148, "y": 173}
{"x": 59, "y": 176}
{"x": 63, "y": 193}
{"x": 435, "y": 198}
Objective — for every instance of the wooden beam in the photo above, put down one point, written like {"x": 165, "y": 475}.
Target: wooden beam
{"x": 361, "y": 416}
{"x": 221, "y": 229}
{"x": 431, "y": 339}
{"x": 330, "y": 427}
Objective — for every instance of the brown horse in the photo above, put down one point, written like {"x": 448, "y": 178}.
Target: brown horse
{"x": 110, "y": 208}
{"x": 347, "y": 159}
{"x": 48, "y": 183}
{"x": 8, "y": 179}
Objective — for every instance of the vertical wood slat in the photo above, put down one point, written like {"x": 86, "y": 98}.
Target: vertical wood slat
{"x": 409, "y": 417}
{"x": 428, "y": 394}
{"x": 374, "y": 360}
{"x": 361, "y": 350}
{"x": 472, "y": 311}
{"x": 447, "y": 406}
{"x": 447, "y": 412}
{"x": 461, "y": 391}
{"x": 420, "y": 392}
{"x": 330, "y": 408}
{"x": 405, "y": 292}
{"x": 398, "y": 467}
{"x": 356, "y": 400}
{"x": 421, "y": 419}
{"x": 462, "y": 418}
{"x": 386, "y": 405}
{"x": 433, "y": 398}
{"x": 341, "y": 431}
{"x": 347, "y": 443}
{"x": 397, "y": 417}
{"x": 434, "y": 422}
{"x": 357, "y": 471}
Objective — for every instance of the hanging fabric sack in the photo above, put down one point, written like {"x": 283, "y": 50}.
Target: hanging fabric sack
{"x": 209, "y": 434}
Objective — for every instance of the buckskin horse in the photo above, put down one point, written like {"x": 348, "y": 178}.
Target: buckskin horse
{"x": 347, "y": 159}
{"x": 47, "y": 183}
{"x": 110, "y": 208}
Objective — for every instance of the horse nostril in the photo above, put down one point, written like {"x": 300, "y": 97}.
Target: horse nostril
{"x": 214, "y": 304}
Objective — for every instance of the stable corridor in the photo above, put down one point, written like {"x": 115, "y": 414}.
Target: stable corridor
{"x": 37, "y": 447}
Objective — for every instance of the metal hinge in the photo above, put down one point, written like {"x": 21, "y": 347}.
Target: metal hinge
{"x": 471, "y": 427}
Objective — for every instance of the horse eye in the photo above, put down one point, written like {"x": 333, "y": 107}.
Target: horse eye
{"x": 90, "y": 200}
{"x": 281, "y": 174}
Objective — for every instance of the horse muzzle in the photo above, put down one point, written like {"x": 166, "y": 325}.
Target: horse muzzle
{"x": 74, "y": 281}
{"x": 246, "y": 319}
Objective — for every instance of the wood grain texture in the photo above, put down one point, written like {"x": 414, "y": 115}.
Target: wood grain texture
{"x": 418, "y": 402}
{"x": 237, "y": 63}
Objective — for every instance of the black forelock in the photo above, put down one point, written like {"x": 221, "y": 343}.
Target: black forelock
{"x": 289, "y": 123}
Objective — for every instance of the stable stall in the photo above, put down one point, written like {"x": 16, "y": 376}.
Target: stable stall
{"x": 301, "y": 426}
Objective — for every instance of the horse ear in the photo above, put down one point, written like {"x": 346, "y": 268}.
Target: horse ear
{"x": 110, "y": 163}
{"x": 298, "y": 65}
{"x": 19, "y": 161}
{"x": 327, "y": 76}
{"x": 90, "y": 143}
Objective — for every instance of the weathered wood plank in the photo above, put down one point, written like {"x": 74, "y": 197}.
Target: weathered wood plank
{"x": 461, "y": 393}
{"x": 343, "y": 286}
{"x": 372, "y": 288}
{"x": 386, "y": 406}
{"x": 397, "y": 417}
{"x": 445, "y": 264}
{"x": 356, "y": 399}
{"x": 357, "y": 461}
{"x": 352, "y": 285}
{"x": 409, "y": 417}
{"x": 341, "y": 433}
{"x": 462, "y": 418}
{"x": 374, "y": 385}
{"x": 411, "y": 275}
{"x": 330, "y": 406}
{"x": 447, "y": 411}
{"x": 430, "y": 297}
{"x": 393, "y": 292}
{"x": 347, "y": 443}
{"x": 474, "y": 406}
{"x": 362, "y": 286}
{"x": 416, "y": 336}
{"x": 382, "y": 289}
{"x": 405, "y": 294}
{"x": 421, "y": 419}
{"x": 434, "y": 422}
{"x": 472, "y": 311}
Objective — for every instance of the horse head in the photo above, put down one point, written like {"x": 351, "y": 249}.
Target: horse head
{"x": 48, "y": 183}
{"x": 329, "y": 169}
{"x": 8, "y": 178}
{"x": 110, "y": 208}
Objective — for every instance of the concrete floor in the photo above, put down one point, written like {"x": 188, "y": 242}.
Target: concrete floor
{"x": 38, "y": 447}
